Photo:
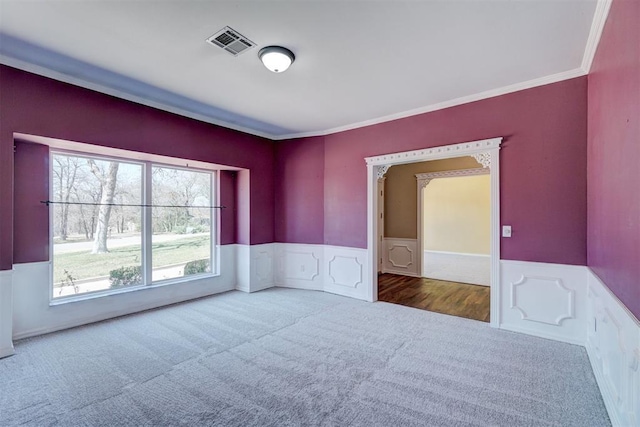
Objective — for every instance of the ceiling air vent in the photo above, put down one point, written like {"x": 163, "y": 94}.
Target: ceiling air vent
{"x": 231, "y": 41}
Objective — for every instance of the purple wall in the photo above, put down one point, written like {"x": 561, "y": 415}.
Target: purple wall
{"x": 40, "y": 106}
{"x": 542, "y": 167}
{"x": 299, "y": 191}
{"x": 31, "y": 218}
{"x": 614, "y": 155}
{"x": 228, "y": 232}
{"x": 243, "y": 205}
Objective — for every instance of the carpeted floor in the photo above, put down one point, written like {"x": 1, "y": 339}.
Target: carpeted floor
{"x": 285, "y": 357}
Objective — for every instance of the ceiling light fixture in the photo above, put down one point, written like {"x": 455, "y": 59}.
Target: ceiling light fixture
{"x": 276, "y": 58}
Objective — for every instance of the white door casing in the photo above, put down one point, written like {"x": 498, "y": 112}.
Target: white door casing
{"x": 380, "y": 193}
{"x": 487, "y": 153}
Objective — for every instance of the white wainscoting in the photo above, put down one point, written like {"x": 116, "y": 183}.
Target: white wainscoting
{"x": 262, "y": 267}
{"x": 6, "y": 313}
{"x": 457, "y": 267}
{"x": 335, "y": 269}
{"x": 243, "y": 267}
{"x": 346, "y": 272}
{"x": 400, "y": 256}
{"x": 613, "y": 345}
{"x": 33, "y": 314}
{"x": 300, "y": 266}
{"x": 254, "y": 267}
{"x": 546, "y": 300}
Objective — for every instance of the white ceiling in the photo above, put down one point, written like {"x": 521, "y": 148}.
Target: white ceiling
{"x": 357, "y": 62}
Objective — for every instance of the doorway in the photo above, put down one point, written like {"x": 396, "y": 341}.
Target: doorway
{"x": 486, "y": 152}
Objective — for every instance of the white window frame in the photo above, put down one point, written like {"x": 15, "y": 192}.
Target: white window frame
{"x": 146, "y": 221}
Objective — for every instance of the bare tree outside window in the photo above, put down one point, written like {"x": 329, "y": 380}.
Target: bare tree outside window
{"x": 107, "y": 181}
{"x": 99, "y": 227}
{"x": 85, "y": 250}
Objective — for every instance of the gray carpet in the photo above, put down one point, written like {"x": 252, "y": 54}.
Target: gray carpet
{"x": 285, "y": 357}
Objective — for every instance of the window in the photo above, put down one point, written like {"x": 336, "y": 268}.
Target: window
{"x": 123, "y": 224}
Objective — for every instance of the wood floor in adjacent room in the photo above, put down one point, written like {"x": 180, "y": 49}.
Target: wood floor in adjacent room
{"x": 456, "y": 299}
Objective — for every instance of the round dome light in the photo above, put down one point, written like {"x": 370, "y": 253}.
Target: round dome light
{"x": 276, "y": 58}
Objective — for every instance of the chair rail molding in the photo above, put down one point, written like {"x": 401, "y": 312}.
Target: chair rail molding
{"x": 488, "y": 151}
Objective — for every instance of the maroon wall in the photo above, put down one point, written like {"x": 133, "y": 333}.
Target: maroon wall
{"x": 31, "y": 217}
{"x": 542, "y": 167}
{"x": 228, "y": 231}
{"x": 614, "y": 155}
{"x": 40, "y": 106}
{"x": 299, "y": 191}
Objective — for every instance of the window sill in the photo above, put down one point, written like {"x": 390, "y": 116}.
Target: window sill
{"x": 154, "y": 285}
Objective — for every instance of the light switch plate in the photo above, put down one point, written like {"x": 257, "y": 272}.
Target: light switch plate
{"x": 506, "y": 231}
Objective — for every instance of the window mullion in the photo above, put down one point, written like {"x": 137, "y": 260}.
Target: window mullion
{"x": 147, "y": 232}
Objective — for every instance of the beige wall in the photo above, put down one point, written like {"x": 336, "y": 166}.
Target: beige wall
{"x": 401, "y": 204}
{"x": 457, "y": 214}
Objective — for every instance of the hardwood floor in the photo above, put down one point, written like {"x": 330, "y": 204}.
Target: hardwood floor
{"x": 456, "y": 299}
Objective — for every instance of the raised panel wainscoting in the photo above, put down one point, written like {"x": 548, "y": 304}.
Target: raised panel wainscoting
{"x": 346, "y": 272}
{"x": 571, "y": 304}
{"x": 474, "y": 269}
{"x": 613, "y": 345}
{"x": 546, "y": 300}
{"x": 400, "y": 256}
{"x": 300, "y": 266}
{"x": 336, "y": 269}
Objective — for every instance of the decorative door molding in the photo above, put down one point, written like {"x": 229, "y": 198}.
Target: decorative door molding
{"x": 486, "y": 152}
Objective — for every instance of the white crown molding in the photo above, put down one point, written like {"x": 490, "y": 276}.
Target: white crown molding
{"x": 43, "y": 71}
{"x": 553, "y": 78}
{"x": 425, "y": 178}
{"x": 597, "y": 26}
{"x": 65, "y": 78}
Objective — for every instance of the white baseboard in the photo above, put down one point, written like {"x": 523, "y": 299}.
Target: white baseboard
{"x": 613, "y": 345}
{"x": 545, "y": 300}
{"x": 6, "y": 313}
{"x": 400, "y": 256}
{"x": 34, "y": 315}
{"x": 457, "y": 267}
